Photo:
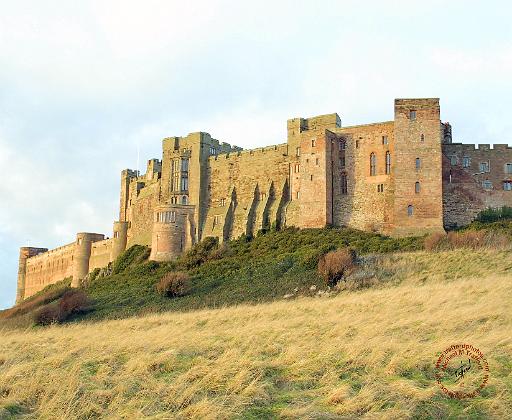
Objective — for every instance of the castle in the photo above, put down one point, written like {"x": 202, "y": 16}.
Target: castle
{"x": 398, "y": 177}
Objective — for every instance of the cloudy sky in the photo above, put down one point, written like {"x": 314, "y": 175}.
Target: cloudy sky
{"x": 84, "y": 84}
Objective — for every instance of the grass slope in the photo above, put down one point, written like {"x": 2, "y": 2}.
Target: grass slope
{"x": 260, "y": 270}
{"x": 364, "y": 353}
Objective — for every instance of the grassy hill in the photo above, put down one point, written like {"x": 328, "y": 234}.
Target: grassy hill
{"x": 246, "y": 270}
{"x": 364, "y": 352}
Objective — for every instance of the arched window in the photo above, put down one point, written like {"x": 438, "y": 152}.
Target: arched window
{"x": 417, "y": 188}
{"x": 410, "y": 210}
{"x": 388, "y": 163}
{"x": 373, "y": 164}
{"x": 418, "y": 164}
{"x": 184, "y": 199}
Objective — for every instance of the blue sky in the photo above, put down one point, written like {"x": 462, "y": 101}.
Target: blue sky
{"x": 83, "y": 84}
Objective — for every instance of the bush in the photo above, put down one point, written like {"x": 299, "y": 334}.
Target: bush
{"x": 136, "y": 254}
{"x": 494, "y": 214}
{"x": 48, "y": 314}
{"x": 73, "y": 301}
{"x": 200, "y": 252}
{"x": 336, "y": 264}
{"x": 174, "y": 284}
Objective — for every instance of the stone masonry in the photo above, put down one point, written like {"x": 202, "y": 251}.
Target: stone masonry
{"x": 399, "y": 177}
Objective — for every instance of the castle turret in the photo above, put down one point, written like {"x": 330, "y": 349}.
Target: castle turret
{"x": 25, "y": 253}
{"x": 172, "y": 231}
{"x": 119, "y": 240}
{"x": 82, "y": 254}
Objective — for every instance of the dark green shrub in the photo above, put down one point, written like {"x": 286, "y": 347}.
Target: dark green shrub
{"x": 199, "y": 252}
{"x": 494, "y": 214}
{"x": 136, "y": 254}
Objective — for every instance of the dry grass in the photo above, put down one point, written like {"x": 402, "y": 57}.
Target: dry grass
{"x": 367, "y": 353}
{"x": 471, "y": 239}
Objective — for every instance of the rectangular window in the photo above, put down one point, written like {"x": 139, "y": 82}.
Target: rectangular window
{"x": 342, "y": 144}
{"x": 484, "y": 167}
{"x": 184, "y": 165}
{"x": 487, "y": 185}
{"x": 313, "y": 142}
{"x": 507, "y": 185}
{"x": 342, "y": 161}
{"x": 297, "y": 168}
{"x": 508, "y": 168}
{"x": 297, "y": 151}
{"x": 384, "y": 140}
{"x": 297, "y": 195}
{"x": 317, "y": 161}
{"x": 213, "y": 151}
{"x": 216, "y": 220}
{"x": 412, "y": 115}
{"x": 466, "y": 162}
{"x": 453, "y": 160}
{"x": 184, "y": 183}
{"x": 222, "y": 202}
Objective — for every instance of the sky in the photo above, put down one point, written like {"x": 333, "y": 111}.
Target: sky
{"x": 84, "y": 85}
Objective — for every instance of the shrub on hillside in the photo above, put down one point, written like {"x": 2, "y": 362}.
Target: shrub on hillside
{"x": 48, "y": 314}
{"x": 334, "y": 265}
{"x": 200, "y": 252}
{"x": 174, "y": 284}
{"x": 73, "y": 302}
{"x": 493, "y": 215}
{"x": 134, "y": 255}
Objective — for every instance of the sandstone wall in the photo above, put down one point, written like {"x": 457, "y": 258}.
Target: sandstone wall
{"x": 48, "y": 268}
{"x": 247, "y": 192}
{"x": 368, "y": 202}
{"x": 418, "y": 134}
{"x": 101, "y": 253}
{"x": 464, "y": 195}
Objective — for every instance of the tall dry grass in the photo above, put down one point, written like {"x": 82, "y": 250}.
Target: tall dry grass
{"x": 365, "y": 354}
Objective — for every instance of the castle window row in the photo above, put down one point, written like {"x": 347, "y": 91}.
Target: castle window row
{"x": 487, "y": 185}
{"x": 166, "y": 216}
{"x": 373, "y": 164}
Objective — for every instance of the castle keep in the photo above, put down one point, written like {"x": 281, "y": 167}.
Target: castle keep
{"x": 399, "y": 177}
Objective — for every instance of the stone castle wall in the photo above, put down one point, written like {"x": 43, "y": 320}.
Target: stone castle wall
{"x": 47, "y": 268}
{"x": 467, "y": 189}
{"x": 399, "y": 177}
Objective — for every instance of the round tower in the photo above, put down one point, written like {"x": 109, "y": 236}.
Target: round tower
{"x": 170, "y": 236}
{"x": 25, "y": 253}
{"x": 119, "y": 240}
{"x": 82, "y": 254}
